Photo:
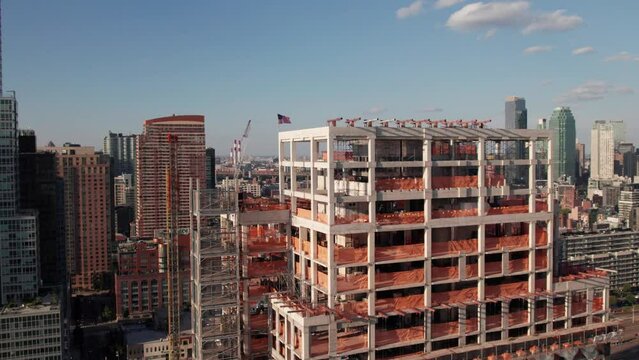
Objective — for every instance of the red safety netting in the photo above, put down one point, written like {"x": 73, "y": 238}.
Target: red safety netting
{"x": 444, "y": 329}
{"x": 540, "y": 314}
{"x": 440, "y": 214}
{"x": 397, "y": 304}
{"x": 264, "y": 207}
{"x": 472, "y": 325}
{"x": 322, "y": 279}
{"x": 338, "y": 155}
{"x": 449, "y": 182}
{"x": 258, "y": 322}
{"x": 349, "y": 219}
{"x": 597, "y": 304}
{"x": 501, "y": 210}
{"x": 454, "y": 296}
{"x": 259, "y": 345}
{"x": 303, "y": 213}
{"x": 352, "y": 282}
{"x": 541, "y": 260}
{"x": 388, "y": 337}
{"x": 346, "y": 341}
{"x": 558, "y": 311}
{"x": 350, "y": 255}
{"x": 406, "y": 217}
{"x": 510, "y": 242}
{"x": 541, "y": 205}
{"x": 322, "y": 253}
{"x": 454, "y": 247}
{"x": 399, "y": 278}
{"x": 399, "y": 184}
{"x": 578, "y": 307}
{"x": 266, "y": 268}
{"x": 444, "y": 273}
{"x": 507, "y": 290}
{"x": 517, "y": 317}
{"x": 399, "y": 252}
{"x": 493, "y": 267}
{"x": 267, "y": 243}
{"x": 517, "y": 265}
{"x": 493, "y": 321}
{"x": 439, "y": 148}
{"x": 541, "y": 237}
{"x": 495, "y": 180}
{"x": 583, "y": 275}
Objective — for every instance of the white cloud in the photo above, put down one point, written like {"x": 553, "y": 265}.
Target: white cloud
{"x": 622, "y": 56}
{"x": 591, "y": 91}
{"x": 537, "y": 49}
{"x": 489, "y": 34}
{"x": 411, "y": 10}
{"x": 432, "y": 110}
{"x": 481, "y": 15}
{"x": 546, "y": 82}
{"x": 515, "y": 14}
{"x": 583, "y": 50}
{"x": 554, "y": 21}
{"x": 441, "y": 4}
{"x": 375, "y": 110}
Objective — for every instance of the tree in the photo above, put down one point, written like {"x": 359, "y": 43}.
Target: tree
{"x": 107, "y": 314}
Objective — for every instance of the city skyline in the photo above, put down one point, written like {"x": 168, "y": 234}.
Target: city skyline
{"x": 234, "y": 62}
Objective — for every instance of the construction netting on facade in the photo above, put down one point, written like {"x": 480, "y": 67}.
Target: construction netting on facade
{"x": 386, "y": 279}
{"x": 450, "y": 182}
{"x": 396, "y": 336}
{"x": 261, "y": 204}
{"x": 449, "y": 297}
{"x": 404, "y": 217}
{"x": 472, "y": 325}
{"x": 266, "y": 268}
{"x": 298, "y": 271}
{"x": 352, "y": 282}
{"x": 258, "y": 322}
{"x": 454, "y": 247}
{"x": 345, "y": 255}
{"x": 444, "y": 329}
{"x": 514, "y": 289}
{"x": 303, "y": 213}
{"x": 517, "y": 265}
{"x": 399, "y": 184}
{"x": 453, "y": 213}
{"x": 400, "y": 305}
{"x": 509, "y": 242}
{"x": 517, "y": 317}
{"x": 399, "y": 252}
{"x": 514, "y": 209}
{"x": 439, "y": 273}
{"x": 347, "y": 340}
{"x": 259, "y": 345}
{"x": 301, "y": 246}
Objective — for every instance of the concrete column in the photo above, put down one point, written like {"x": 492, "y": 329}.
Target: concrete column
{"x": 481, "y": 177}
{"x": 313, "y": 256}
{"x": 504, "y": 319}
{"x": 332, "y": 278}
{"x": 314, "y": 149}
{"x": 280, "y": 167}
{"x": 590, "y": 295}
{"x": 332, "y": 337}
{"x": 481, "y": 283}
{"x": 606, "y": 303}
{"x": 306, "y": 345}
{"x": 427, "y": 178}
{"x": 568, "y": 310}
{"x": 461, "y": 318}
{"x": 293, "y": 177}
{"x": 372, "y": 295}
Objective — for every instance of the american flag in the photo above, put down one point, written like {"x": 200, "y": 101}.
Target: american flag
{"x": 283, "y": 119}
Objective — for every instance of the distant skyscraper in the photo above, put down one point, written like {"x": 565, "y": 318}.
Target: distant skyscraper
{"x": 122, "y": 149}
{"x": 42, "y": 189}
{"x": 124, "y": 194}
{"x": 627, "y": 151}
{"x": 210, "y": 168}
{"x": 152, "y": 162}
{"x": 562, "y": 123}
{"x": 88, "y": 211}
{"x": 602, "y": 151}
{"x": 516, "y": 117}
{"x": 618, "y": 131}
{"x": 581, "y": 158}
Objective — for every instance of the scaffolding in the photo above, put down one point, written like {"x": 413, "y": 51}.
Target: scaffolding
{"x": 215, "y": 273}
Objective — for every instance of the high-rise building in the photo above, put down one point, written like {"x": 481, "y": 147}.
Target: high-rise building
{"x": 619, "y": 131}
{"x": 628, "y": 200}
{"x": 123, "y": 190}
{"x": 580, "y": 148}
{"x": 122, "y": 149}
{"x": 31, "y": 332}
{"x": 516, "y": 116}
{"x": 19, "y": 278}
{"x": 210, "y": 168}
{"x": 628, "y": 159}
{"x": 602, "y": 151}
{"x": 88, "y": 211}
{"x": 562, "y": 123}
{"x": 41, "y": 189}
{"x": 152, "y": 162}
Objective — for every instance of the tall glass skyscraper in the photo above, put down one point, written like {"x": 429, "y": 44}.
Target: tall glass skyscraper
{"x": 562, "y": 122}
{"x": 516, "y": 116}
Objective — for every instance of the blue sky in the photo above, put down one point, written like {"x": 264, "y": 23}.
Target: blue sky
{"x": 82, "y": 68}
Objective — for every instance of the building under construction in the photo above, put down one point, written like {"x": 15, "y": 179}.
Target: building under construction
{"x": 410, "y": 241}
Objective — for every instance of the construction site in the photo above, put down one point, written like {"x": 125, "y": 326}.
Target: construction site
{"x": 404, "y": 240}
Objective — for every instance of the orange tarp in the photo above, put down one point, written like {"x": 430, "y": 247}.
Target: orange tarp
{"x": 296, "y": 243}
{"x": 406, "y": 217}
{"x": 493, "y": 321}
{"x": 518, "y": 265}
{"x": 304, "y": 213}
{"x": 259, "y": 322}
{"x": 259, "y": 345}
{"x": 540, "y": 314}
{"x": 399, "y": 252}
{"x": 399, "y": 278}
{"x": 352, "y": 282}
{"x": 558, "y": 311}
{"x": 350, "y": 219}
{"x": 454, "y": 247}
{"x": 298, "y": 271}
{"x": 541, "y": 205}
{"x": 518, "y": 317}
{"x": 541, "y": 237}
{"x": 578, "y": 307}
{"x": 388, "y": 337}
{"x": 503, "y": 290}
{"x": 448, "y": 182}
{"x": 490, "y": 268}
{"x": 439, "y": 214}
{"x": 515, "y": 209}
{"x": 322, "y": 254}
{"x": 444, "y": 329}
{"x": 351, "y": 255}
{"x": 346, "y": 341}
{"x": 597, "y": 304}
{"x": 400, "y": 303}
{"x": 454, "y": 296}
{"x": 266, "y": 268}
{"x": 444, "y": 273}
{"x": 267, "y": 243}
{"x": 495, "y": 180}
{"x": 472, "y": 325}
{"x": 541, "y": 260}
{"x": 322, "y": 279}
{"x": 401, "y": 184}
{"x": 511, "y": 242}
{"x": 264, "y": 207}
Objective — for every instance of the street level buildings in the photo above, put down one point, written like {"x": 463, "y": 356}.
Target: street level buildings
{"x": 152, "y": 162}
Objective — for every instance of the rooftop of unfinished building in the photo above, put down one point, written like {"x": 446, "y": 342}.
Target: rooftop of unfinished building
{"x": 444, "y": 129}
{"x": 176, "y": 118}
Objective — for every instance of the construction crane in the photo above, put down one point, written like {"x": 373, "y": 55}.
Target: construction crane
{"x": 172, "y": 249}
